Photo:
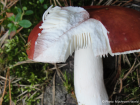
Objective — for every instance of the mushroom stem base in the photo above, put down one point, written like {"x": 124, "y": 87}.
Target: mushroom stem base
{"x": 88, "y": 78}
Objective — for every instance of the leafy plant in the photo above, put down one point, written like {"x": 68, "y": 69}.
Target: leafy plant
{"x": 68, "y": 83}
{"x": 17, "y": 20}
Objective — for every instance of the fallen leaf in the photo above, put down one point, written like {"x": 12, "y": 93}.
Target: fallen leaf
{"x": 9, "y": 14}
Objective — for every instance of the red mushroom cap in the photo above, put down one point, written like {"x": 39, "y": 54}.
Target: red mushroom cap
{"x": 32, "y": 38}
{"x": 122, "y": 23}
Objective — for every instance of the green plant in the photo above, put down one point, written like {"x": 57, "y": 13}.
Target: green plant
{"x": 68, "y": 83}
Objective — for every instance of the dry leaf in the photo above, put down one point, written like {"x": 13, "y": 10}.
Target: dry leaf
{"x": 12, "y": 34}
{"x": 9, "y": 14}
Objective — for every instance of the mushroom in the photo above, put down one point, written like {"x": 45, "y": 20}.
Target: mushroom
{"x": 113, "y": 30}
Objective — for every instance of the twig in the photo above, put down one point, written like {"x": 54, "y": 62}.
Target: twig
{"x": 117, "y": 68}
{"x": 28, "y": 86}
{"x": 22, "y": 37}
{"x": 114, "y": 90}
{"x": 128, "y": 84}
{"x": 127, "y": 2}
{"x": 2, "y": 20}
{"x": 4, "y": 3}
{"x": 58, "y": 3}
{"x": 137, "y": 65}
{"x": 119, "y": 4}
{"x": 119, "y": 65}
{"x": 18, "y": 79}
{"x": 51, "y": 2}
{"x": 9, "y": 6}
{"x": 39, "y": 97}
{"x": 23, "y": 62}
{"x": 108, "y": 2}
{"x": 55, "y": 3}
{"x": 138, "y": 76}
{"x": 1, "y": 82}
{"x": 70, "y": 2}
{"x": 136, "y": 57}
{"x": 22, "y": 93}
{"x": 1, "y": 99}
{"x": 53, "y": 90}
{"x": 125, "y": 59}
{"x": 9, "y": 89}
{"x": 121, "y": 84}
{"x": 11, "y": 3}
{"x": 3, "y": 78}
{"x": 2, "y": 39}
{"x": 58, "y": 72}
{"x": 32, "y": 95}
{"x": 65, "y": 2}
{"x": 22, "y": 97}
{"x": 99, "y": 2}
{"x": 43, "y": 91}
{"x": 132, "y": 99}
{"x": 125, "y": 76}
{"x": 59, "y": 66}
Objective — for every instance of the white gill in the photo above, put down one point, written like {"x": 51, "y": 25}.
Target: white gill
{"x": 80, "y": 41}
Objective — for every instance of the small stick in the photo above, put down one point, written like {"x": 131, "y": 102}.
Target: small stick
{"x": 127, "y": 84}
{"x": 99, "y": 2}
{"x": 125, "y": 76}
{"x": 53, "y": 90}
{"x": 1, "y": 99}
{"x": 114, "y": 90}
{"x": 70, "y": 2}
{"x": 65, "y": 1}
{"x": 127, "y": 2}
{"x": 132, "y": 99}
{"x": 114, "y": 2}
{"x": 58, "y": 72}
{"x": 59, "y": 3}
{"x": 51, "y": 2}
{"x": 121, "y": 83}
{"x": 138, "y": 76}
{"x": 54, "y": 3}
{"x": 9, "y": 89}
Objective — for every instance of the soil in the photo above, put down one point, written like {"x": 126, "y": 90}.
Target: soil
{"x": 62, "y": 97}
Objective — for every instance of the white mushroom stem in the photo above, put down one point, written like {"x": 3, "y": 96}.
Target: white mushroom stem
{"x": 88, "y": 78}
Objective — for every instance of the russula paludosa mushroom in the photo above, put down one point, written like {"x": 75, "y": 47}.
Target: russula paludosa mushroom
{"x": 113, "y": 30}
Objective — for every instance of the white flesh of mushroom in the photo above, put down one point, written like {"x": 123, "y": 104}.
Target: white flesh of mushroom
{"x": 67, "y": 31}
{"x": 88, "y": 73}
{"x": 88, "y": 78}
